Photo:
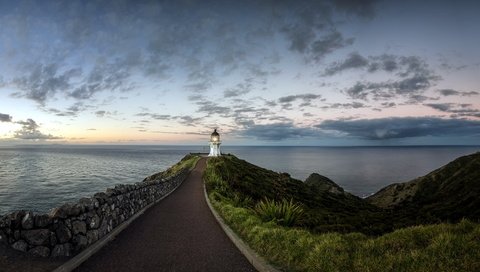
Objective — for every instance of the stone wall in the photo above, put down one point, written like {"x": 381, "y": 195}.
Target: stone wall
{"x": 69, "y": 229}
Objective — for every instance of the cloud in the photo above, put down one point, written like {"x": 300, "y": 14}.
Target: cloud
{"x": 354, "y": 60}
{"x": 413, "y": 78}
{"x": 353, "y": 105}
{"x": 155, "y": 116}
{"x": 402, "y": 127}
{"x": 43, "y": 81}
{"x": 310, "y": 29}
{"x": 100, "y": 113}
{"x": 29, "y": 131}
{"x": 286, "y": 101}
{"x": 279, "y": 131}
{"x": 457, "y": 110}
{"x": 212, "y": 108}
{"x": 103, "y": 77}
{"x": 239, "y": 89}
{"x": 449, "y": 92}
{"x": 328, "y": 44}
{"x": 5, "y": 118}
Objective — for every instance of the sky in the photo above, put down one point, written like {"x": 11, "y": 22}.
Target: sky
{"x": 263, "y": 72}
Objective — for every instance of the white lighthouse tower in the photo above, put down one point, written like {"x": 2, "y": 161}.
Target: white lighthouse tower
{"x": 215, "y": 144}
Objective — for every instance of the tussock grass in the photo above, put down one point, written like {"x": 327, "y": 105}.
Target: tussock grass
{"x": 284, "y": 212}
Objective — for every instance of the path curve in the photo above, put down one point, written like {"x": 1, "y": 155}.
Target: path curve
{"x": 177, "y": 234}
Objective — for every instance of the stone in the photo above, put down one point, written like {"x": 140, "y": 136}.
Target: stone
{"x": 20, "y": 245}
{"x": 36, "y": 237}
{"x": 82, "y": 217}
{"x": 27, "y": 220}
{"x": 40, "y": 251}
{"x": 3, "y": 237}
{"x": 79, "y": 242}
{"x": 16, "y": 219}
{"x": 103, "y": 229}
{"x": 79, "y": 227}
{"x": 53, "y": 239}
{"x": 62, "y": 250}
{"x": 92, "y": 236}
{"x": 58, "y": 213}
{"x": 16, "y": 234}
{"x": 100, "y": 197}
{"x": 93, "y": 222}
{"x": 87, "y": 203}
{"x": 63, "y": 233}
{"x": 3, "y": 222}
{"x": 42, "y": 220}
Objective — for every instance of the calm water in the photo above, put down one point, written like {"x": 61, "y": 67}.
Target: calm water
{"x": 42, "y": 177}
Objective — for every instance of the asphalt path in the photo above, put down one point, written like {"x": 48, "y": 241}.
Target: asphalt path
{"x": 177, "y": 234}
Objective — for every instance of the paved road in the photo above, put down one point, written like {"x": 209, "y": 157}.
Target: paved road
{"x": 177, "y": 234}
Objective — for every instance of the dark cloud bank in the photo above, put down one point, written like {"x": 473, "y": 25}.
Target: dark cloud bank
{"x": 368, "y": 129}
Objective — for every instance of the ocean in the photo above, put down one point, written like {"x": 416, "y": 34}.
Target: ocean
{"x": 39, "y": 178}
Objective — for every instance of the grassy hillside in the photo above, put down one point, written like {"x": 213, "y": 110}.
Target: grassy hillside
{"x": 324, "y": 210}
{"x": 449, "y": 193}
{"x": 237, "y": 189}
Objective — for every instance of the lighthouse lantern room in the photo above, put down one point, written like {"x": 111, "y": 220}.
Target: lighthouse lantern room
{"x": 215, "y": 144}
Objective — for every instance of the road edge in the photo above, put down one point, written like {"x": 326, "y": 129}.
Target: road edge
{"x": 256, "y": 260}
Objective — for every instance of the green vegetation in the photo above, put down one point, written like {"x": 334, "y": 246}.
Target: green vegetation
{"x": 189, "y": 162}
{"x": 442, "y": 247}
{"x": 323, "y": 210}
{"x": 337, "y": 231}
{"x": 449, "y": 193}
{"x": 284, "y": 213}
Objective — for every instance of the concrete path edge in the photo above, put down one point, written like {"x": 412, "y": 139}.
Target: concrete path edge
{"x": 81, "y": 257}
{"x": 256, "y": 260}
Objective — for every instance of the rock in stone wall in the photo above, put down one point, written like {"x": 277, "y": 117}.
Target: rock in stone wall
{"x": 69, "y": 229}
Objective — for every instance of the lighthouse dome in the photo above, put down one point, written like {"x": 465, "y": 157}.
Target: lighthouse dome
{"x": 215, "y": 137}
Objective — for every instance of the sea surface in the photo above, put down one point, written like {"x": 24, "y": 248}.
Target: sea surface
{"x": 39, "y": 178}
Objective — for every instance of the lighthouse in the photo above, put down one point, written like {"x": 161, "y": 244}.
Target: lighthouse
{"x": 215, "y": 144}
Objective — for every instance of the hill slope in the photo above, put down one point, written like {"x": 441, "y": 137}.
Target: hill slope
{"x": 326, "y": 207}
{"x": 449, "y": 193}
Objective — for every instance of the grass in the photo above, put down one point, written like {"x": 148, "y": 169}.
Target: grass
{"x": 189, "y": 162}
{"x": 439, "y": 247}
{"x": 322, "y": 211}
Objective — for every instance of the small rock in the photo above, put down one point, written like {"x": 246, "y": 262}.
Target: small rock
{"x": 20, "y": 245}
{"x": 40, "y": 251}
{"x": 3, "y": 237}
{"x": 80, "y": 242}
{"x": 16, "y": 234}
{"x": 92, "y": 236}
{"x": 58, "y": 213}
{"x": 37, "y": 237}
{"x": 16, "y": 219}
{"x": 62, "y": 250}
{"x": 63, "y": 233}
{"x": 27, "y": 221}
{"x": 42, "y": 220}
{"x": 100, "y": 197}
{"x": 93, "y": 222}
{"x": 53, "y": 239}
{"x": 79, "y": 227}
{"x": 103, "y": 229}
{"x": 3, "y": 222}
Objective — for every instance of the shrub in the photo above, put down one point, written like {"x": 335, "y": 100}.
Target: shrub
{"x": 285, "y": 213}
